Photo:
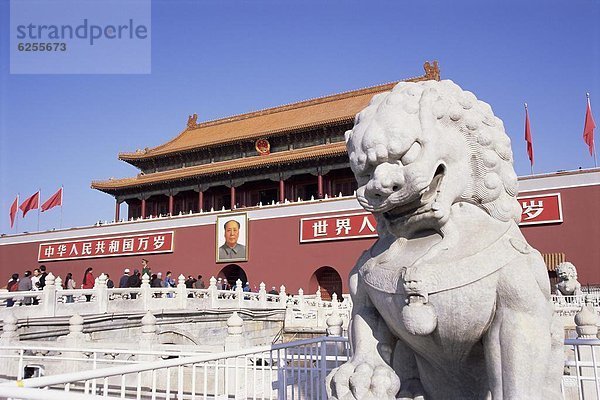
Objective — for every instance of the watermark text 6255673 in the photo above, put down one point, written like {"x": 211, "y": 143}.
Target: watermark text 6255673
{"x": 49, "y": 46}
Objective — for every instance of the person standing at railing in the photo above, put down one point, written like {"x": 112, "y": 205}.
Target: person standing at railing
{"x": 12, "y": 286}
{"x": 35, "y": 283}
{"x": 189, "y": 284}
{"x": 109, "y": 282}
{"x": 134, "y": 282}
{"x": 156, "y": 282}
{"x": 169, "y": 282}
{"x": 69, "y": 284}
{"x": 25, "y": 285}
{"x": 42, "y": 279}
{"x": 146, "y": 268}
{"x": 35, "y": 279}
{"x": 124, "y": 279}
{"x": 200, "y": 283}
{"x": 88, "y": 282}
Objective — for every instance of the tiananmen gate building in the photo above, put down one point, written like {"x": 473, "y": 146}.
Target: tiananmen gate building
{"x": 282, "y": 176}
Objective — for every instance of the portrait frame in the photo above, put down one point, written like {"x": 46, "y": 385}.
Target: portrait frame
{"x": 222, "y": 256}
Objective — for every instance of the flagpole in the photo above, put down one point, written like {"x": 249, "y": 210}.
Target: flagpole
{"x": 17, "y": 216}
{"x": 530, "y": 161}
{"x": 39, "y": 206}
{"x": 62, "y": 193}
{"x": 593, "y": 141}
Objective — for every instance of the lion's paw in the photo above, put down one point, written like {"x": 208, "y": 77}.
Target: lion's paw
{"x": 362, "y": 381}
{"x": 411, "y": 390}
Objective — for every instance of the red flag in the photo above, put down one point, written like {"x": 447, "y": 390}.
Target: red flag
{"x": 53, "y": 201}
{"x": 13, "y": 211}
{"x": 588, "y": 128}
{"x": 31, "y": 203}
{"x": 528, "y": 136}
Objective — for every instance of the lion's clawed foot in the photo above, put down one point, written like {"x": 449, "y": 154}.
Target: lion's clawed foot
{"x": 363, "y": 381}
{"x": 411, "y": 390}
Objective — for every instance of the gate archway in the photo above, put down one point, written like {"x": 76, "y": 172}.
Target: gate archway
{"x": 328, "y": 280}
{"x": 232, "y": 273}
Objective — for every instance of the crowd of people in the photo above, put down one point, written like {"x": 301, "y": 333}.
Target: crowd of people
{"x": 30, "y": 281}
{"x": 36, "y": 280}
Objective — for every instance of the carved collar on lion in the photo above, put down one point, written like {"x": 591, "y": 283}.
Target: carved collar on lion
{"x": 390, "y": 271}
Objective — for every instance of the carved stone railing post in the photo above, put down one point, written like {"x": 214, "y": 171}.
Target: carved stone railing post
{"x": 301, "y": 301}
{"x": 149, "y": 331}
{"x": 10, "y": 337}
{"x": 145, "y": 292}
{"x": 586, "y": 320}
{"x": 59, "y": 287}
{"x": 149, "y": 336}
{"x": 9, "y": 330}
{"x": 321, "y": 310}
{"x": 49, "y": 297}
{"x": 101, "y": 294}
{"x": 76, "y": 327}
{"x": 181, "y": 292}
{"x": 76, "y": 339}
{"x": 233, "y": 342}
{"x": 149, "y": 327}
{"x": 239, "y": 293}
{"x": 282, "y": 296}
{"x": 213, "y": 293}
{"x": 235, "y": 328}
{"x": 334, "y": 323}
{"x": 262, "y": 295}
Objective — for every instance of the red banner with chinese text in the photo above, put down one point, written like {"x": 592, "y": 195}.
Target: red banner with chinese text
{"x": 337, "y": 227}
{"x": 148, "y": 243}
{"x": 541, "y": 209}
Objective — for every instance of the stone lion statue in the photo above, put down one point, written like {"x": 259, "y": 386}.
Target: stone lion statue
{"x": 568, "y": 284}
{"x": 450, "y": 302}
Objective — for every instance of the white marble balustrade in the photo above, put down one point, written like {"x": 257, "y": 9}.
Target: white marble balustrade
{"x": 54, "y": 301}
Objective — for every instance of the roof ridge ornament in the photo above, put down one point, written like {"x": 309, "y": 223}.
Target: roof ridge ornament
{"x": 192, "y": 121}
{"x": 432, "y": 71}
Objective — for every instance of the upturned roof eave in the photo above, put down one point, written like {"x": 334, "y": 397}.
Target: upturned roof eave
{"x": 111, "y": 186}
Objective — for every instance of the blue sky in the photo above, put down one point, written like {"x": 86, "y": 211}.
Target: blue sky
{"x": 219, "y": 58}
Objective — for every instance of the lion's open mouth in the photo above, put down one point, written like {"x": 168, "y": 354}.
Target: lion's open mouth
{"x": 423, "y": 203}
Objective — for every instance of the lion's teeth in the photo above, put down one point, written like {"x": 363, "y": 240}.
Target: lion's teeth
{"x": 436, "y": 206}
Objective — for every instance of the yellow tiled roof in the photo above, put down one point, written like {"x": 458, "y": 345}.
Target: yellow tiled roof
{"x": 291, "y": 117}
{"x": 324, "y": 150}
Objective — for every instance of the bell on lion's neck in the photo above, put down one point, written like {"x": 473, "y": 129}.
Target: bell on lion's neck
{"x": 419, "y": 318}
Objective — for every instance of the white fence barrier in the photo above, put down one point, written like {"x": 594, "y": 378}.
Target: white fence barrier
{"x": 295, "y": 370}
{"x": 583, "y": 369}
